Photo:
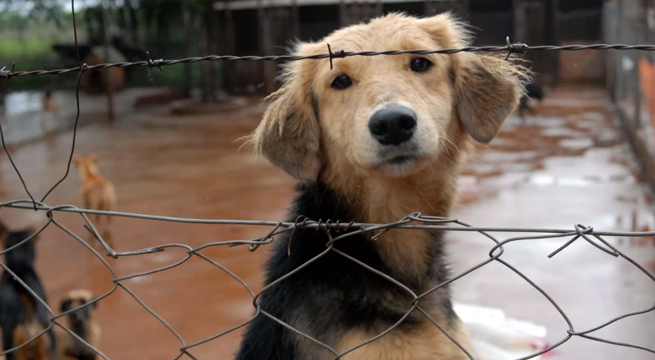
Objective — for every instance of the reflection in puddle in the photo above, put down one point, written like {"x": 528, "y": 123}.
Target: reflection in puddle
{"x": 22, "y": 102}
{"x": 583, "y": 143}
{"x": 560, "y": 132}
{"x": 568, "y": 166}
{"x": 572, "y": 149}
{"x": 547, "y": 180}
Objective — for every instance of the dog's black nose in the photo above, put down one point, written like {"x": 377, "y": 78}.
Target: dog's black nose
{"x": 393, "y": 125}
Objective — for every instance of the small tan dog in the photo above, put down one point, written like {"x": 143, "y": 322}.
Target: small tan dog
{"x": 98, "y": 193}
{"x": 80, "y": 322}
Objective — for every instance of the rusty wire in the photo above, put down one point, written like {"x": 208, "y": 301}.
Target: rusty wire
{"x": 513, "y": 48}
{"x": 340, "y": 230}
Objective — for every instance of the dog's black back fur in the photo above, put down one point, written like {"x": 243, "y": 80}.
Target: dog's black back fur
{"x": 333, "y": 292}
{"x": 534, "y": 90}
{"x": 12, "y": 313}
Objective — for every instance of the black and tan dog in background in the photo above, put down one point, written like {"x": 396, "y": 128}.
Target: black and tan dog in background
{"x": 82, "y": 323}
{"x": 373, "y": 140}
{"x": 22, "y": 316}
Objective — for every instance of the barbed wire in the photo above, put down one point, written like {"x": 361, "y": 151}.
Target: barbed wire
{"x": 514, "y": 48}
{"x": 335, "y": 230}
{"x": 510, "y": 48}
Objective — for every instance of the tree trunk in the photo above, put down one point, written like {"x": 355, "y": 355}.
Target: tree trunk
{"x": 107, "y": 72}
{"x": 134, "y": 23}
{"x": 204, "y": 29}
{"x": 212, "y": 42}
{"x": 228, "y": 66}
{"x": 188, "y": 18}
{"x": 265, "y": 46}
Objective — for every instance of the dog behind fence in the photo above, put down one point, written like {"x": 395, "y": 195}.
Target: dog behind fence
{"x": 497, "y": 246}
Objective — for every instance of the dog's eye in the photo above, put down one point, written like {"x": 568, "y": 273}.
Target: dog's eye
{"x": 341, "y": 82}
{"x": 420, "y": 64}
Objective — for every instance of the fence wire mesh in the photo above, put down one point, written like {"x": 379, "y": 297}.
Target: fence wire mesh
{"x": 335, "y": 230}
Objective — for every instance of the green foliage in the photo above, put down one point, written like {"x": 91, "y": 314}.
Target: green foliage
{"x": 28, "y": 48}
{"x": 29, "y": 28}
{"x": 18, "y": 13}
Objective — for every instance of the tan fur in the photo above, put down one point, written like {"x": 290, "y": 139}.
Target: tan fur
{"x": 81, "y": 294}
{"x": 4, "y": 234}
{"x": 98, "y": 193}
{"x": 65, "y": 341}
{"x": 332, "y": 140}
{"x": 67, "y": 344}
{"x": 425, "y": 342}
{"x": 37, "y": 349}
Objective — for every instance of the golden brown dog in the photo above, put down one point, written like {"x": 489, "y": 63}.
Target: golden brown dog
{"x": 98, "y": 193}
{"x": 373, "y": 140}
{"x": 80, "y": 322}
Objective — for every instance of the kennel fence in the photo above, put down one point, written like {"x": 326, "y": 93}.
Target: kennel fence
{"x": 335, "y": 230}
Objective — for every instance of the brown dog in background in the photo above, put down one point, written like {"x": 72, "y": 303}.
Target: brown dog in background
{"x": 98, "y": 193}
{"x": 80, "y": 322}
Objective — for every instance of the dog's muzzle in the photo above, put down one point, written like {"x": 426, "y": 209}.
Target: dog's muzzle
{"x": 393, "y": 125}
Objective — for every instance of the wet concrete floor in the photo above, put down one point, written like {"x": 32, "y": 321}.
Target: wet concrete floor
{"x": 568, "y": 165}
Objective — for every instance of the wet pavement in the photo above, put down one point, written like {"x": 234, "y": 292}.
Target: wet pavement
{"x": 24, "y": 121}
{"x": 568, "y": 165}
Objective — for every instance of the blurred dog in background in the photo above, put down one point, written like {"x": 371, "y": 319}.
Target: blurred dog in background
{"x": 80, "y": 322}
{"x": 533, "y": 90}
{"x": 22, "y": 316}
{"x": 98, "y": 194}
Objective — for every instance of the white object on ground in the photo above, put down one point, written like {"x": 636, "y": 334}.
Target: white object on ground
{"x": 498, "y": 337}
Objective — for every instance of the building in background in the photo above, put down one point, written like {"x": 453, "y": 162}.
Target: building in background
{"x": 261, "y": 27}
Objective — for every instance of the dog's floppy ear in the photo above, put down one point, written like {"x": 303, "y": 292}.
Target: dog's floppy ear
{"x": 66, "y": 304}
{"x": 487, "y": 89}
{"x": 289, "y": 133}
{"x": 446, "y": 30}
